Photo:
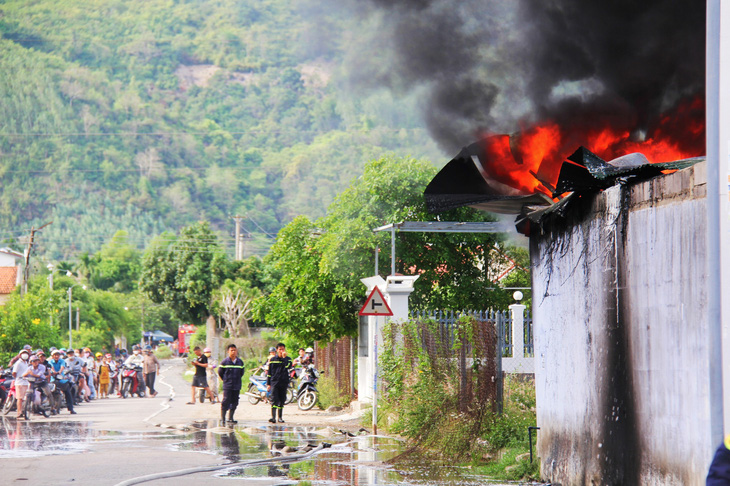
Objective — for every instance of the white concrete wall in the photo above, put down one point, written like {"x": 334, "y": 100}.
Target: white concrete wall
{"x": 620, "y": 332}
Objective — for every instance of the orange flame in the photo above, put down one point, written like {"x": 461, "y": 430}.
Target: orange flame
{"x": 518, "y": 160}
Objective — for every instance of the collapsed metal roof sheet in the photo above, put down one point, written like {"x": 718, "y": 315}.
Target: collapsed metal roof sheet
{"x": 464, "y": 182}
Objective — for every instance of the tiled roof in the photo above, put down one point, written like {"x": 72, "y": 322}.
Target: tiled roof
{"x": 8, "y": 276}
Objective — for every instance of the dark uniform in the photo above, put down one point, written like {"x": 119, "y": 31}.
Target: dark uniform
{"x": 231, "y": 373}
{"x": 719, "y": 473}
{"x": 278, "y": 378}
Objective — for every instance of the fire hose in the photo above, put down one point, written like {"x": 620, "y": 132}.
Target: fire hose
{"x": 255, "y": 462}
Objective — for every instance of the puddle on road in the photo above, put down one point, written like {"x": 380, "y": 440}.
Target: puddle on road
{"x": 19, "y": 438}
{"x": 360, "y": 460}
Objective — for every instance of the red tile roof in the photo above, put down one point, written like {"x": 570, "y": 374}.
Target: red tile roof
{"x": 8, "y": 278}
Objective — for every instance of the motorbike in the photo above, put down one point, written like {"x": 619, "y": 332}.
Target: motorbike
{"x": 35, "y": 399}
{"x": 58, "y": 387}
{"x": 257, "y": 391}
{"x": 307, "y": 393}
{"x": 11, "y": 401}
{"x": 6, "y": 381}
{"x": 131, "y": 383}
{"x": 73, "y": 380}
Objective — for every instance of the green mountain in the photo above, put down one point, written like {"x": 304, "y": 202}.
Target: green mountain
{"x": 146, "y": 116}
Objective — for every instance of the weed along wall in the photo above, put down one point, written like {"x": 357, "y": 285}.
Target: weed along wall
{"x": 622, "y": 376}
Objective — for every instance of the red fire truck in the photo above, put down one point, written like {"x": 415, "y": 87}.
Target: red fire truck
{"x": 184, "y": 332}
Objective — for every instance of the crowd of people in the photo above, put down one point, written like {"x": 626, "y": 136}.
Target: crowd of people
{"x": 79, "y": 374}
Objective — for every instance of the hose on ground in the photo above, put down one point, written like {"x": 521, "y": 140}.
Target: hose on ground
{"x": 194, "y": 470}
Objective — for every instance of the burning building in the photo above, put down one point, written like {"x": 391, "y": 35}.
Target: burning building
{"x": 619, "y": 295}
{"x": 590, "y": 121}
{"x": 619, "y": 290}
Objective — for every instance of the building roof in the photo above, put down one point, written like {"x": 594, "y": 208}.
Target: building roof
{"x": 10, "y": 251}
{"x": 8, "y": 279}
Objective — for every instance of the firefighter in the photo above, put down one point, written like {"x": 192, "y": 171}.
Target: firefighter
{"x": 231, "y": 371}
{"x": 277, "y": 381}
{"x": 719, "y": 473}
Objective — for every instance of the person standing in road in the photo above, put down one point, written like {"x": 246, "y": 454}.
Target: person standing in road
{"x": 150, "y": 367}
{"x": 277, "y": 381}
{"x": 231, "y": 371}
{"x": 21, "y": 384}
{"x": 200, "y": 380}
{"x": 212, "y": 374}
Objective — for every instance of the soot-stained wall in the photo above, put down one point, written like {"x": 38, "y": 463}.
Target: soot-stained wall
{"x": 620, "y": 332}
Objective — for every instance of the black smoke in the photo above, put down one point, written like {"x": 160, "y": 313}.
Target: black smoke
{"x": 492, "y": 66}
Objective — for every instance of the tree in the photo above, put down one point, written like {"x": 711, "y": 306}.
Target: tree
{"x": 317, "y": 267}
{"x": 233, "y": 304}
{"x": 183, "y": 272}
{"x": 452, "y": 266}
{"x": 26, "y": 320}
{"x": 305, "y": 301}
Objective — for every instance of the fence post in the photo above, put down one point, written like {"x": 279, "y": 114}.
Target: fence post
{"x": 462, "y": 363}
{"x": 499, "y": 323}
{"x": 518, "y": 330}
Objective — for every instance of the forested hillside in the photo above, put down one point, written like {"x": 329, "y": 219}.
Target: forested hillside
{"x": 146, "y": 116}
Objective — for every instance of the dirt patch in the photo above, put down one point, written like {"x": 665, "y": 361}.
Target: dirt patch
{"x": 197, "y": 75}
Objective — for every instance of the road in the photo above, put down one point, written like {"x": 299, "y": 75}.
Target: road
{"x": 111, "y": 440}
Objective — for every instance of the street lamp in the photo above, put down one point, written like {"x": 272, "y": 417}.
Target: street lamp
{"x": 70, "y": 342}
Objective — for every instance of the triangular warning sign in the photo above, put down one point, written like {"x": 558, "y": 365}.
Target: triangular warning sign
{"x": 376, "y": 305}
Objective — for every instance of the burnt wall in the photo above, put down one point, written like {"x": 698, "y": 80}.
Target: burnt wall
{"x": 620, "y": 334}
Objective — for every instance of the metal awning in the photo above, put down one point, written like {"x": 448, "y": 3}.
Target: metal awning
{"x": 435, "y": 227}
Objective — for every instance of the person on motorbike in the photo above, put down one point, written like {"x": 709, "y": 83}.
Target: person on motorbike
{"x": 37, "y": 372}
{"x": 76, "y": 368}
{"x": 45, "y": 387}
{"x": 137, "y": 360}
{"x": 21, "y": 384}
{"x": 308, "y": 357}
{"x": 57, "y": 366}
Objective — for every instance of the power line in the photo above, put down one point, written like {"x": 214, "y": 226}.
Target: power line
{"x": 53, "y": 171}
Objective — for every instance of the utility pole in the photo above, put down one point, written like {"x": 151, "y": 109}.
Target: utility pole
{"x": 239, "y": 246}
{"x": 28, "y": 251}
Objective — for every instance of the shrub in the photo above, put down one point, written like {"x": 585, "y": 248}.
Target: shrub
{"x": 163, "y": 352}
{"x": 330, "y": 395}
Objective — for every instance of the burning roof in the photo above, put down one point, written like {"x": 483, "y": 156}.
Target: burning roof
{"x": 540, "y": 166}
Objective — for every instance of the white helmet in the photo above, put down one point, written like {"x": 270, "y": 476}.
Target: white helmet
{"x": 309, "y": 350}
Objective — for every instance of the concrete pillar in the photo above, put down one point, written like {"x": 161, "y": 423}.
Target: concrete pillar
{"x": 397, "y": 290}
{"x": 365, "y": 365}
{"x": 518, "y": 330}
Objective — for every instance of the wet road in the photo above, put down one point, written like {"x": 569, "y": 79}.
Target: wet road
{"x": 74, "y": 452}
{"x": 112, "y": 441}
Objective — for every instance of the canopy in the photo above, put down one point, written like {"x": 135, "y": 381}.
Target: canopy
{"x": 158, "y": 336}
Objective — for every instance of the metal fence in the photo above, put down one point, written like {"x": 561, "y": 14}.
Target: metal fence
{"x": 500, "y": 323}
{"x": 471, "y": 367}
{"x": 335, "y": 360}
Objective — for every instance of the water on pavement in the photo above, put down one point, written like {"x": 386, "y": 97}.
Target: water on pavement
{"x": 351, "y": 459}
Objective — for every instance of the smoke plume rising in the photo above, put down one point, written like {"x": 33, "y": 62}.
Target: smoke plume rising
{"x": 491, "y": 66}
